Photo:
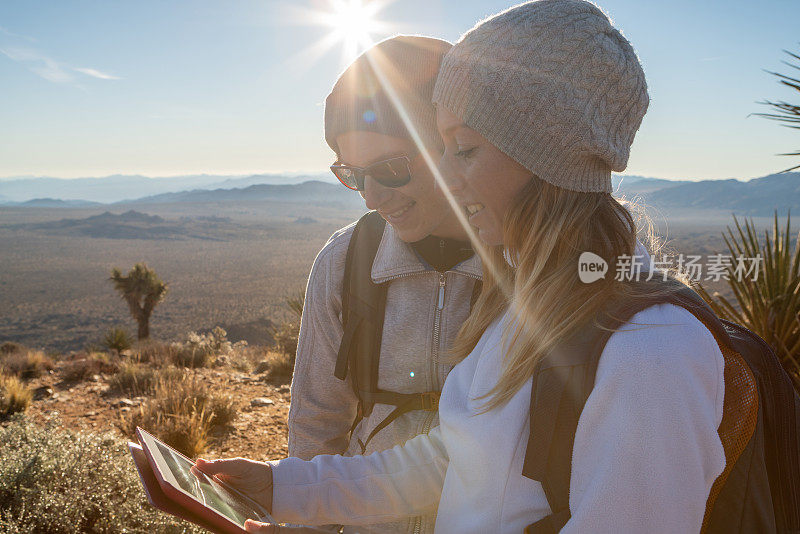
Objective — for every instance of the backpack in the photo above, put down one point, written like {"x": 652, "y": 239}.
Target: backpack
{"x": 363, "y": 306}
{"x": 759, "y": 488}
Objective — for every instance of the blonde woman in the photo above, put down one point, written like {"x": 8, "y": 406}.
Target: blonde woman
{"x": 537, "y": 106}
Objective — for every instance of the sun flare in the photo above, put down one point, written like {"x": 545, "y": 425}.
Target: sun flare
{"x": 353, "y": 22}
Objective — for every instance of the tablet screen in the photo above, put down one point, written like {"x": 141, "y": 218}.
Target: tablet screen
{"x": 205, "y": 489}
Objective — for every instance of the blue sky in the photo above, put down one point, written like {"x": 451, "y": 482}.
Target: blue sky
{"x": 92, "y": 88}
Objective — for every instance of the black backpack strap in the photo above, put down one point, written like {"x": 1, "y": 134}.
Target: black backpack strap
{"x": 363, "y": 304}
{"x": 363, "y": 308}
{"x": 404, "y": 403}
{"x": 561, "y": 385}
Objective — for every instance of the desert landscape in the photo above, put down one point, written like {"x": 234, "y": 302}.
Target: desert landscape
{"x": 233, "y": 260}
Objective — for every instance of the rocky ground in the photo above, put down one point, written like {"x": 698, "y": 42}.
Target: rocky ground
{"x": 258, "y": 432}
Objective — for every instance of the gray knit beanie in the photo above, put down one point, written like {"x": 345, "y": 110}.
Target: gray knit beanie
{"x": 553, "y": 85}
{"x": 360, "y": 101}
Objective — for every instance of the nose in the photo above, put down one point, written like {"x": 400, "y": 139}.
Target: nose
{"x": 451, "y": 176}
{"x": 375, "y": 194}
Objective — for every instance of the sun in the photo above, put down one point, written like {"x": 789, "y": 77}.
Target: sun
{"x": 351, "y": 26}
{"x": 353, "y": 22}
{"x": 354, "y": 18}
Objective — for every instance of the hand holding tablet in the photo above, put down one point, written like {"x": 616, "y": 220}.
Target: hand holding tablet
{"x": 175, "y": 485}
{"x": 250, "y": 477}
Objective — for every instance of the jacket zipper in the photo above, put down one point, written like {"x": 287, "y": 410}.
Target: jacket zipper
{"x": 437, "y": 328}
{"x": 426, "y": 425}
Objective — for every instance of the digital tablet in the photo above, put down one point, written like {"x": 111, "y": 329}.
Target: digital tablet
{"x": 156, "y": 496}
{"x": 204, "y": 500}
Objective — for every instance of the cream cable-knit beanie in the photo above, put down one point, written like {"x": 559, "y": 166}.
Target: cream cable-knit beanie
{"x": 553, "y": 85}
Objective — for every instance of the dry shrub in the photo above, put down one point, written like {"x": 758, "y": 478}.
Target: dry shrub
{"x": 193, "y": 356}
{"x": 53, "y": 481}
{"x": 183, "y": 413}
{"x": 202, "y": 350}
{"x": 84, "y": 365}
{"x": 285, "y": 336}
{"x": 278, "y": 366}
{"x": 245, "y": 358}
{"x": 15, "y": 396}
{"x": 25, "y": 363}
{"x": 9, "y": 347}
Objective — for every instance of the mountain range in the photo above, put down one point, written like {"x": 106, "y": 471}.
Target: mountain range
{"x": 117, "y": 188}
{"x": 755, "y": 197}
{"x": 136, "y": 225}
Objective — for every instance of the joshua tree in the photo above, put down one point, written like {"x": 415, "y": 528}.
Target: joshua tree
{"x": 142, "y": 289}
{"x": 788, "y": 114}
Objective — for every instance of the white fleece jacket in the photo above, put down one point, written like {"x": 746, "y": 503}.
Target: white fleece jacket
{"x": 645, "y": 456}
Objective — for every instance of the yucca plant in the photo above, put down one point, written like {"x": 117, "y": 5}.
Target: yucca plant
{"x": 117, "y": 339}
{"x": 296, "y": 302}
{"x": 770, "y": 304}
{"x": 286, "y": 334}
{"x": 785, "y": 112}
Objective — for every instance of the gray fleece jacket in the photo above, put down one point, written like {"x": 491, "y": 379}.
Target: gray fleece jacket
{"x": 424, "y": 311}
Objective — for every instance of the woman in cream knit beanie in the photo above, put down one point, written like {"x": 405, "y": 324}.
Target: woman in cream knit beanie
{"x": 537, "y": 105}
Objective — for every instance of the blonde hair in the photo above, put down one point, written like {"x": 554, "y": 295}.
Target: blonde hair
{"x": 545, "y": 233}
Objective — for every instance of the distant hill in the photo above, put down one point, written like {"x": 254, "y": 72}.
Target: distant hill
{"x": 312, "y": 192}
{"x": 116, "y": 188}
{"x": 759, "y": 196}
{"x": 55, "y": 203}
{"x": 639, "y": 185}
{"x": 136, "y": 225}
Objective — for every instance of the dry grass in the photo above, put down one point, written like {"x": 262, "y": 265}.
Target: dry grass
{"x": 15, "y": 396}
{"x": 83, "y": 366}
{"x": 25, "y": 363}
{"x": 134, "y": 379}
{"x": 155, "y": 353}
{"x": 193, "y": 356}
{"x": 279, "y": 367}
{"x": 183, "y": 413}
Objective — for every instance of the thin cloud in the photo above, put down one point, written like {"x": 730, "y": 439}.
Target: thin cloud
{"x": 48, "y": 68}
{"x": 39, "y": 64}
{"x": 94, "y": 73}
{"x": 6, "y": 31}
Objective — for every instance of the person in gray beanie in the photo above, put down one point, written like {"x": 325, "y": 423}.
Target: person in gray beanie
{"x": 537, "y": 105}
{"x": 379, "y": 119}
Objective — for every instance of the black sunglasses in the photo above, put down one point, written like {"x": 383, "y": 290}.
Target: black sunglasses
{"x": 392, "y": 172}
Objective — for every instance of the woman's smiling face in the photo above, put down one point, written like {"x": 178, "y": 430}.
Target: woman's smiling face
{"x": 485, "y": 181}
{"x": 415, "y": 210}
